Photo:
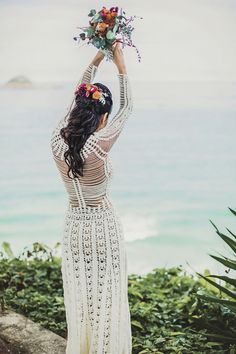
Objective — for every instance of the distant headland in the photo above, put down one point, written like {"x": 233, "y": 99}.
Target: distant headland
{"x": 22, "y": 81}
{"x": 19, "y": 81}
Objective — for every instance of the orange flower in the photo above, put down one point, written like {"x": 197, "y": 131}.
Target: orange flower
{"x": 108, "y": 17}
{"x": 97, "y": 95}
{"x": 88, "y": 86}
{"x": 102, "y": 26}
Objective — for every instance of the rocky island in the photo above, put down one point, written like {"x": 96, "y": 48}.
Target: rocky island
{"x": 19, "y": 81}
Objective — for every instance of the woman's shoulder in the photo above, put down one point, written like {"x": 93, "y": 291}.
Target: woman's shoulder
{"x": 91, "y": 146}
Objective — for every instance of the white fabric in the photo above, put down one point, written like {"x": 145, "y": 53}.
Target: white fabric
{"x": 94, "y": 261}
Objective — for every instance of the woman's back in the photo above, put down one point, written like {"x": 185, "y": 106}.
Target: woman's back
{"x": 92, "y": 189}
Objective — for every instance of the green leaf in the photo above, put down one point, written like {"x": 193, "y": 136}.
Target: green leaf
{"x": 136, "y": 324}
{"x": 222, "y": 338}
{"x": 175, "y": 333}
{"x": 228, "y": 240}
{"x": 7, "y": 248}
{"x": 232, "y": 211}
{"x": 115, "y": 28}
{"x": 134, "y": 292}
{"x": 230, "y": 304}
{"x": 110, "y": 35}
{"x": 92, "y": 13}
{"x": 218, "y": 286}
{"x": 228, "y": 280}
{"x": 58, "y": 244}
{"x": 231, "y": 232}
{"x": 214, "y": 344}
{"x": 96, "y": 17}
{"x": 230, "y": 263}
{"x": 214, "y": 225}
{"x": 90, "y": 31}
{"x": 96, "y": 42}
{"x": 160, "y": 340}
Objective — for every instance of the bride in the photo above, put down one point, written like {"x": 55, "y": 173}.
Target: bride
{"x": 94, "y": 260}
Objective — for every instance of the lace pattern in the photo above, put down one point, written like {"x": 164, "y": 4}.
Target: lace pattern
{"x": 94, "y": 261}
{"x": 94, "y": 272}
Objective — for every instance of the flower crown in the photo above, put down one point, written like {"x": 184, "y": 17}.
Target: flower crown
{"x": 91, "y": 91}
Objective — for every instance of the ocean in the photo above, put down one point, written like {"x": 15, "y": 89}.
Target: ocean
{"x": 174, "y": 171}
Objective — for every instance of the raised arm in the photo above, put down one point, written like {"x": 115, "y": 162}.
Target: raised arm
{"x": 107, "y": 136}
{"x": 57, "y": 143}
{"x": 87, "y": 76}
{"x": 89, "y": 73}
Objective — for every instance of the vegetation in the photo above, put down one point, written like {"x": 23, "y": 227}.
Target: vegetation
{"x": 171, "y": 311}
{"x": 227, "y": 295}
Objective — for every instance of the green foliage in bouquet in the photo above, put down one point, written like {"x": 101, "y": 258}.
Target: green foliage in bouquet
{"x": 107, "y": 27}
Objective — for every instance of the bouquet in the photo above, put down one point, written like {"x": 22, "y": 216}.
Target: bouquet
{"x": 106, "y": 27}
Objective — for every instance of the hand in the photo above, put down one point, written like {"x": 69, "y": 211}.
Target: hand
{"x": 118, "y": 58}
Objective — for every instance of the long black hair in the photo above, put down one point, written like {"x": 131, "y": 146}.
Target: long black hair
{"x": 83, "y": 121}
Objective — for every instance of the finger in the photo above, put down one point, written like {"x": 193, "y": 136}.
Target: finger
{"x": 117, "y": 46}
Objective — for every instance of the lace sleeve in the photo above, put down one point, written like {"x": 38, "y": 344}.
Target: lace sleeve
{"x": 57, "y": 143}
{"x": 107, "y": 136}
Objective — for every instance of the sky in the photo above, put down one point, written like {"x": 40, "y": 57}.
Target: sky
{"x": 177, "y": 39}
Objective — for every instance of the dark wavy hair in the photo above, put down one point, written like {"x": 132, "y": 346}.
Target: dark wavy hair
{"x": 82, "y": 122}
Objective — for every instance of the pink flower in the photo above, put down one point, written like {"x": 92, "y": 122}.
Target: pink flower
{"x": 93, "y": 89}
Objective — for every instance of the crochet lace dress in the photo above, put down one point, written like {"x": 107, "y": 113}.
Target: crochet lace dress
{"x": 94, "y": 262}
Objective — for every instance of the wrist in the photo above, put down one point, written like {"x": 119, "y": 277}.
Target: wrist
{"x": 98, "y": 58}
{"x": 96, "y": 61}
{"x": 121, "y": 69}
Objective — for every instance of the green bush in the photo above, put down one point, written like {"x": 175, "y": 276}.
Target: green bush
{"x": 166, "y": 314}
{"x": 32, "y": 285}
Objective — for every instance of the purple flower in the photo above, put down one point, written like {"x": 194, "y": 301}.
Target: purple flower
{"x": 114, "y": 9}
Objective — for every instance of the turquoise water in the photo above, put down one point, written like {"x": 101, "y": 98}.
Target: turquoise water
{"x": 174, "y": 169}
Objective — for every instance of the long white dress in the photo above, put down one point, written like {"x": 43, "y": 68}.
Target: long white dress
{"x": 94, "y": 261}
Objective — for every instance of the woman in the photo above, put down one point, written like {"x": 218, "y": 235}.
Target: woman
{"x": 94, "y": 263}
